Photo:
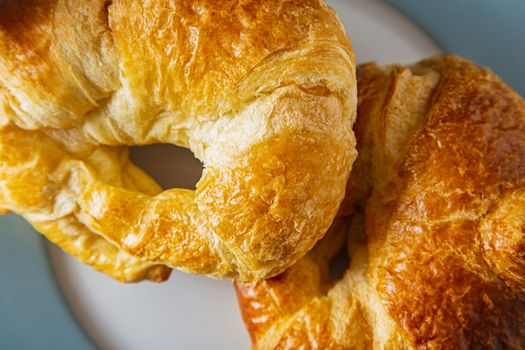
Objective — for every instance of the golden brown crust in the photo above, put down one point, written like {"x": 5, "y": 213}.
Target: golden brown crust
{"x": 502, "y": 239}
{"x": 469, "y": 154}
{"x": 40, "y": 183}
{"x": 440, "y": 177}
{"x": 262, "y": 91}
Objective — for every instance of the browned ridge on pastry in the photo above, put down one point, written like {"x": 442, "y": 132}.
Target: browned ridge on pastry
{"x": 263, "y": 92}
{"x": 436, "y": 225}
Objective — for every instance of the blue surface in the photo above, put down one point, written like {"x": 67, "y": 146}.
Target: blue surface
{"x": 490, "y": 32}
{"x": 32, "y": 312}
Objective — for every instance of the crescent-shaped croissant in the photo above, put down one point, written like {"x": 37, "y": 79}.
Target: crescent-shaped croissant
{"x": 263, "y": 93}
{"x": 436, "y": 226}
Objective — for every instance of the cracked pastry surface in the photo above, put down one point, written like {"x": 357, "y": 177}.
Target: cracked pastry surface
{"x": 263, "y": 92}
{"x": 435, "y": 224}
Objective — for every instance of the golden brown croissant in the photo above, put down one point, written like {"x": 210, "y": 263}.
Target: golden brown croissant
{"x": 437, "y": 235}
{"x": 263, "y": 92}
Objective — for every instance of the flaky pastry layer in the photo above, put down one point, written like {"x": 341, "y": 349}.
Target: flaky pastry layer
{"x": 435, "y": 224}
{"x": 263, "y": 92}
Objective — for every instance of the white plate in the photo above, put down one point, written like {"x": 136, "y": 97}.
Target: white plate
{"x": 189, "y": 312}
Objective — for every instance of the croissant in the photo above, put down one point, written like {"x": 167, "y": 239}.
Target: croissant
{"x": 263, "y": 92}
{"x": 435, "y": 231}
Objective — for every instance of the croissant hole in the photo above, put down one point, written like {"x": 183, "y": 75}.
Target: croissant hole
{"x": 339, "y": 264}
{"x": 169, "y": 165}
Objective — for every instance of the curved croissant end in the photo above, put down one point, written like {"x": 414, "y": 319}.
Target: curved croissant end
{"x": 437, "y": 190}
{"x": 263, "y": 92}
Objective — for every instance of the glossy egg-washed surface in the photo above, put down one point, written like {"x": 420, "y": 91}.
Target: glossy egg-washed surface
{"x": 436, "y": 205}
{"x": 263, "y": 92}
